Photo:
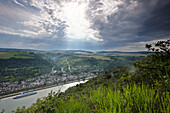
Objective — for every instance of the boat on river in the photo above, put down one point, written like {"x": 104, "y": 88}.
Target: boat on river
{"x": 24, "y": 95}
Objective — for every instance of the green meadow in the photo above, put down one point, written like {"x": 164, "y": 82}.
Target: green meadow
{"x": 8, "y": 55}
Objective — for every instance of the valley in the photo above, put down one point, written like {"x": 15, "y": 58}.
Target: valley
{"x": 29, "y": 70}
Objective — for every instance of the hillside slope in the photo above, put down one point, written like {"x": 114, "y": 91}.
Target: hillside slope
{"x": 111, "y": 92}
{"x": 143, "y": 89}
{"x": 18, "y": 66}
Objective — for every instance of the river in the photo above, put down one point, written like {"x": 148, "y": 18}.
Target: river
{"x": 10, "y": 104}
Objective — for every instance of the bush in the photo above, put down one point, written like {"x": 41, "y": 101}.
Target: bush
{"x": 128, "y": 99}
{"x": 155, "y": 69}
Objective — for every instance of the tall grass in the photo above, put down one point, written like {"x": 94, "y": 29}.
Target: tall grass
{"x": 129, "y": 99}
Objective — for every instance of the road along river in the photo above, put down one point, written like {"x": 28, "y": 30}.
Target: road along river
{"x": 10, "y": 104}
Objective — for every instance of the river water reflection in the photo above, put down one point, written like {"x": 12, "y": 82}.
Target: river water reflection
{"x": 10, "y": 104}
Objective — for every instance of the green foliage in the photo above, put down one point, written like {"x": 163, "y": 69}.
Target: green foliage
{"x": 155, "y": 69}
{"x": 24, "y": 55}
{"x": 160, "y": 46}
{"x": 129, "y": 99}
{"x": 18, "y": 69}
{"x": 125, "y": 89}
{"x": 93, "y": 61}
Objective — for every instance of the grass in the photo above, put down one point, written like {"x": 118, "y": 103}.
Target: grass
{"x": 9, "y": 55}
{"x": 129, "y": 99}
{"x": 133, "y": 99}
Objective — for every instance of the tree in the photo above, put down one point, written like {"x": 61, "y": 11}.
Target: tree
{"x": 155, "y": 68}
{"x": 160, "y": 46}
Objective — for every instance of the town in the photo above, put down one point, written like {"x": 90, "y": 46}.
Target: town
{"x": 49, "y": 79}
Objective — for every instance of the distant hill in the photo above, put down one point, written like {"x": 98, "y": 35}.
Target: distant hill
{"x": 18, "y": 66}
{"x": 120, "y": 52}
{"x": 18, "y": 50}
{"x": 23, "y": 55}
{"x": 73, "y": 51}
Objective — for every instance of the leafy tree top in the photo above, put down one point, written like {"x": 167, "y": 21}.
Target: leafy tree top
{"x": 160, "y": 46}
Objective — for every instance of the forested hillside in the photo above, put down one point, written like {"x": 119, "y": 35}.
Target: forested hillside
{"x": 91, "y": 62}
{"x": 143, "y": 88}
{"x": 18, "y": 66}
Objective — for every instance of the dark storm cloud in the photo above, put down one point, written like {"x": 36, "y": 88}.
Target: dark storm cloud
{"x": 158, "y": 24}
{"x": 134, "y": 21}
{"x": 118, "y": 25}
{"x": 62, "y": 24}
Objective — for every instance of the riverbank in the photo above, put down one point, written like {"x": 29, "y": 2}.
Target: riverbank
{"x": 41, "y": 88}
{"x": 29, "y": 100}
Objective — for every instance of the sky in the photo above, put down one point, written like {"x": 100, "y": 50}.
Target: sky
{"x": 95, "y": 25}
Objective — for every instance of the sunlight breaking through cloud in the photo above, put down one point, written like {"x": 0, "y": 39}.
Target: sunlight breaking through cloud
{"x": 68, "y": 18}
{"x": 88, "y": 23}
{"x": 78, "y": 24}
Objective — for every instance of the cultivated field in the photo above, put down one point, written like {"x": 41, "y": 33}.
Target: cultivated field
{"x": 96, "y": 57}
{"x": 1, "y": 53}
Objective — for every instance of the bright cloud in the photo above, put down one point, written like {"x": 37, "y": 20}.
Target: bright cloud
{"x": 67, "y": 19}
{"x": 22, "y": 33}
{"x": 101, "y": 9}
{"x": 92, "y": 24}
{"x": 15, "y": 1}
{"x": 74, "y": 14}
